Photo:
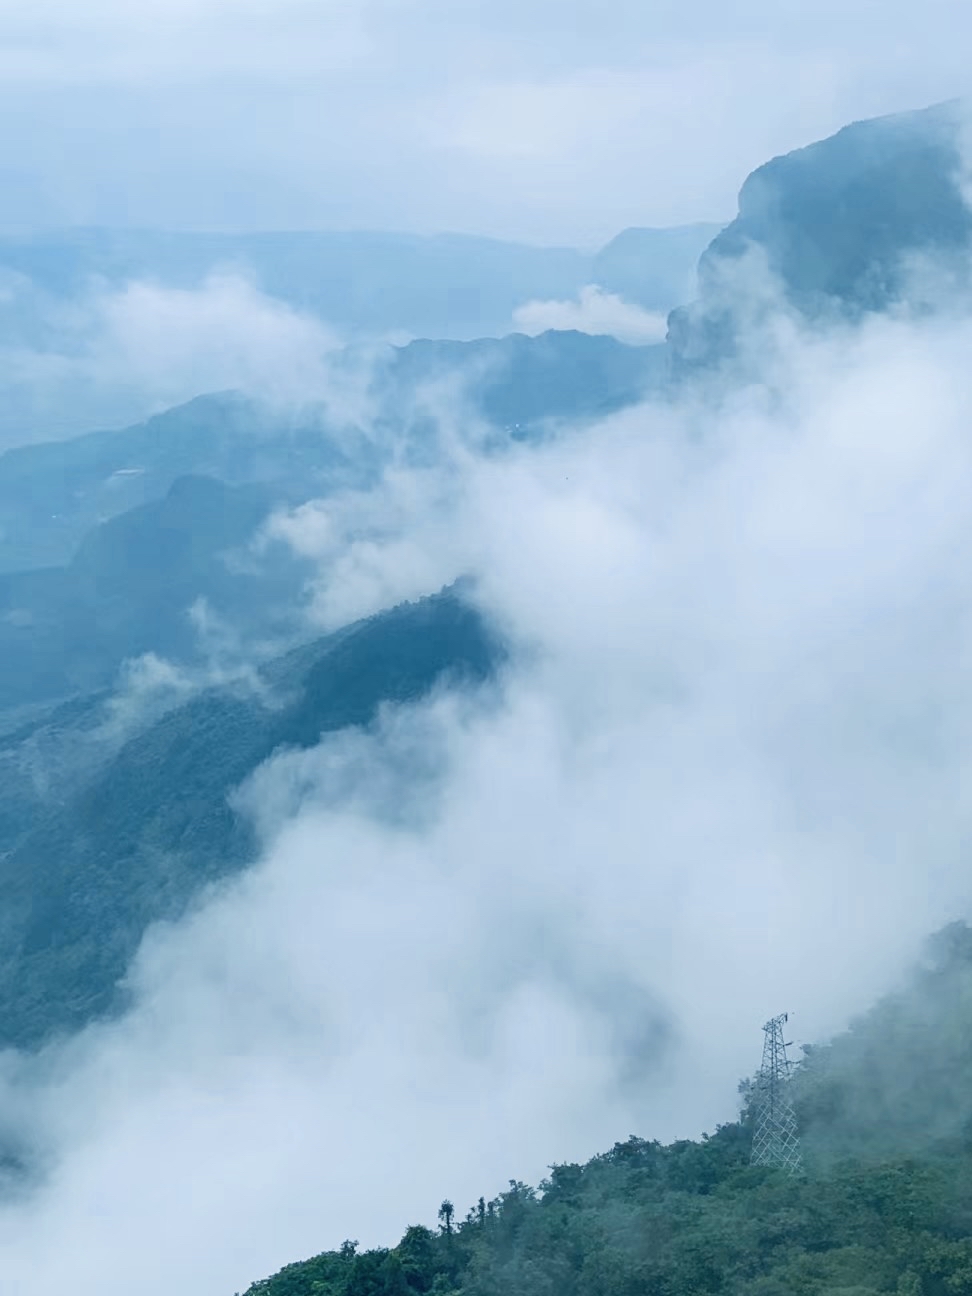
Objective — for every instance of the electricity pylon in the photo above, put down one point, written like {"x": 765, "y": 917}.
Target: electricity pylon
{"x": 775, "y": 1140}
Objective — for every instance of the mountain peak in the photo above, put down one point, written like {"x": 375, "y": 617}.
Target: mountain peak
{"x": 837, "y": 226}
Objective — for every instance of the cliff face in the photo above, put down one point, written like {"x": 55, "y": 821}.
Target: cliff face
{"x": 836, "y": 227}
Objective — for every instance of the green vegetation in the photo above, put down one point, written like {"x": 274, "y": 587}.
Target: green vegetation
{"x": 683, "y": 1220}
{"x": 65, "y": 631}
{"x": 86, "y": 876}
{"x": 884, "y": 1207}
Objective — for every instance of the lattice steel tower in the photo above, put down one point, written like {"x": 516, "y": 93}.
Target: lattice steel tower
{"x": 775, "y": 1140}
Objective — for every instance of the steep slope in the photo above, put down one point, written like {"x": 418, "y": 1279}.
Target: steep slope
{"x": 47, "y": 754}
{"x": 694, "y": 1218}
{"x": 51, "y": 494}
{"x": 885, "y": 1109}
{"x": 899, "y": 1081}
{"x": 130, "y": 588}
{"x": 79, "y": 887}
{"x": 839, "y": 225}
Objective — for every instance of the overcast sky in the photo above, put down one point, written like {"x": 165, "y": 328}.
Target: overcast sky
{"x": 530, "y": 119}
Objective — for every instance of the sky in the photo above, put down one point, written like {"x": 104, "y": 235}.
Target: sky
{"x": 547, "y": 122}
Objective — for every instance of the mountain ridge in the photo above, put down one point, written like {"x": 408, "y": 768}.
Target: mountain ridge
{"x": 837, "y": 226}
{"x": 156, "y": 823}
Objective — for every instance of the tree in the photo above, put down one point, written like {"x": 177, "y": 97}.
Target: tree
{"x": 446, "y": 1212}
{"x": 416, "y": 1253}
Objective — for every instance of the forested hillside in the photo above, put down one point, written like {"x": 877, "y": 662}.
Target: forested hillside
{"x": 84, "y": 871}
{"x": 697, "y": 681}
{"x": 884, "y": 1204}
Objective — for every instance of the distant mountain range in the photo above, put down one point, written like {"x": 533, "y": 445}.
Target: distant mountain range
{"x": 52, "y": 493}
{"x": 82, "y": 311}
{"x": 365, "y": 283}
{"x": 106, "y": 540}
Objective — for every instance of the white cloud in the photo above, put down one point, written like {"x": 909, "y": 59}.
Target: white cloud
{"x": 593, "y": 311}
{"x": 118, "y": 354}
{"x": 175, "y": 342}
{"x": 364, "y": 549}
{"x": 726, "y": 775}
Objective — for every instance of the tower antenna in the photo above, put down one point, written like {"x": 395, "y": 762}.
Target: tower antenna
{"x": 775, "y": 1140}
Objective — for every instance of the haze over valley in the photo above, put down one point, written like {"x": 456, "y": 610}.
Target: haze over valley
{"x": 485, "y": 625}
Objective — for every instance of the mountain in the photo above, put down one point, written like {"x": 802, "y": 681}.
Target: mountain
{"x": 87, "y": 865}
{"x": 523, "y": 383}
{"x": 653, "y": 268}
{"x": 891, "y": 1214}
{"x": 364, "y": 283}
{"x": 131, "y": 585}
{"x": 897, "y": 1082}
{"x": 53, "y": 493}
{"x": 109, "y": 824}
{"x": 840, "y": 225}
{"x": 153, "y": 519}
{"x": 832, "y": 232}
{"x": 83, "y": 311}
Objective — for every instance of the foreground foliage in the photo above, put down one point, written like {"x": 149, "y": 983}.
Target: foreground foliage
{"x": 646, "y": 1220}
{"x": 885, "y": 1205}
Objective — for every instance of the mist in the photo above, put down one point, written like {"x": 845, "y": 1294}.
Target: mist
{"x": 119, "y": 353}
{"x": 593, "y": 311}
{"x": 723, "y": 775}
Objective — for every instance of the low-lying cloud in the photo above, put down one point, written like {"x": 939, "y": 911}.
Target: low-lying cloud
{"x": 725, "y": 775}
{"x": 593, "y": 311}
{"x": 122, "y": 353}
